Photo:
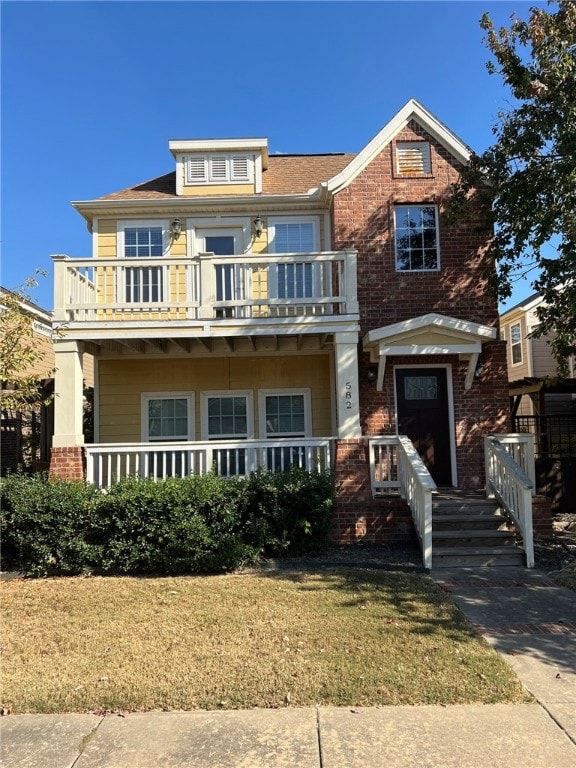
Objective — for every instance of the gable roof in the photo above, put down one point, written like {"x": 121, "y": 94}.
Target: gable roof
{"x": 412, "y": 110}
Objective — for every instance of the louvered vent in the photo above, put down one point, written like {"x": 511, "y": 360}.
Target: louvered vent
{"x": 218, "y": 169}
{"x": 240, "y": 168}
{"x": 196, "y": 169}
{"x": 413, "y": 157}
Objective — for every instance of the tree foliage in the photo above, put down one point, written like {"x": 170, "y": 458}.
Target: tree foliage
{"x": 19, "y": 352}
{"x": 528, "y": 175}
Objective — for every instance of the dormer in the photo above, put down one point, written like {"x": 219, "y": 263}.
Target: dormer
{"x": 208, "y": 167}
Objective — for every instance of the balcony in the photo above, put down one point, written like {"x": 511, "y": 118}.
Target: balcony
{"x": 207, "y": 291}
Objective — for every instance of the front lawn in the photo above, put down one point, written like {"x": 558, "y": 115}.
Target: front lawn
{"x": 339, "y": 637}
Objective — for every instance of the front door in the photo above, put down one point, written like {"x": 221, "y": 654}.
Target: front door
{"x": 229, "y": 278}
{"x": 423, "y": 416}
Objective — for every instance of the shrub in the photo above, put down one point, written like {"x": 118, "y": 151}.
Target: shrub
{"x": 178, "y": 525}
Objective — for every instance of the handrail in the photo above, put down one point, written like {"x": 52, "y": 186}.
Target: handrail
{"x": 396, "y": 464}
{"x": 510, "y": 484}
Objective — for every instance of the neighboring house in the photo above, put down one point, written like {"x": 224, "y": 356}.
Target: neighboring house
{"x": 250, "y": 309}
{"x": 25, "y": 435}
{"x": 536, "y": 386}
{"x": 543, "y": 402}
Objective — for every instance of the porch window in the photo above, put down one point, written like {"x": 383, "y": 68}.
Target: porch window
{"x": 167, "y": 416}
{"x": 416, "y": 238}
{"x": 285, "y": 414}
{"x": 516, "y": 343}
{"x": 142, "y": 283}
{"x": 227, "y": 416}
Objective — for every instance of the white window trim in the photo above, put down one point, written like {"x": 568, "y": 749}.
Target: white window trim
{"x": 273, "y": 220}
{"x": 247, "y": 393}
{"x": 417, "y": 271}
{"x": 518, "y": 343}
{"x": 264, "y": 393}
{"x": 208, "y": 179}
{"x": 145, "y": 397}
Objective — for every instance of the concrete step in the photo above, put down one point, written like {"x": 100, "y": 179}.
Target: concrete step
{"x": 472, "y": 538}
{"x": 485, "y": 507}
{"x": 467, "y": 557}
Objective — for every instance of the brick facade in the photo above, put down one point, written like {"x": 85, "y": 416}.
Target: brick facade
{"x": 363, "y": 218}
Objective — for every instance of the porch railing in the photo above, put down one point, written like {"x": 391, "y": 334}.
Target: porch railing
{"x": 107, "y": 463}
{"x": 508, "y": 482}
{"x": 207, "y": 287}
{"x": 396, "y": 465}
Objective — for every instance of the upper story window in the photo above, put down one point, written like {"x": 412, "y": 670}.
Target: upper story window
{"x": 218, "y": 169}
{"x": 413, "y": 157}
{"x": 516, "y": 343}
{"x": 142, "y": 242}
{"x": 416, "y": 238}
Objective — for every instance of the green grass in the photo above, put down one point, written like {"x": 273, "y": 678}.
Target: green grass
{"x": 341, "y": 637}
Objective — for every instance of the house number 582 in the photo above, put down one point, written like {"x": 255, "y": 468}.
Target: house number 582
{"x": 348, "y": 395}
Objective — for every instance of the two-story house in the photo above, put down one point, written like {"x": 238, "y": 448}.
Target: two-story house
{"x": 255, "y": 309}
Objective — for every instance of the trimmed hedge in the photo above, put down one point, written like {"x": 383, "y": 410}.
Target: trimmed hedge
{"x": 199, "y": 524}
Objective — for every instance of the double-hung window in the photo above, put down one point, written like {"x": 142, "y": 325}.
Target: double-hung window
{"x": 297, "y": 279}
{"x": 227, "y": 416}
{"x": 168, "y": 417}
{"x": 143, "y": 283}
{"x": 416, "y": 238}
{"x": 516, "y": 343}
{"x": 285, "y": 414}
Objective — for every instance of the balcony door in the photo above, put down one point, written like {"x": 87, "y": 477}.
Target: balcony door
{"x": 229, "y": 278}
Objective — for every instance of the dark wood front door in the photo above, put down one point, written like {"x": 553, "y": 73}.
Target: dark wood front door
{"x": 422, "y": 401}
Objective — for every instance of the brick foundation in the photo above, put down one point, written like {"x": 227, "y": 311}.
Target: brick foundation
{"x": 68, "y": 463}
{"x": 541, "y": 517}
{"x": 358, "y": 517}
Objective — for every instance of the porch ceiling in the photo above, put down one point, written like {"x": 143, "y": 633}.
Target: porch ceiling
{"x": 210, "y": 345}
{"x": 430, "y": 334}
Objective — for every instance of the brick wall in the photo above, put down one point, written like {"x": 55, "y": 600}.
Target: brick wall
{"x": 67, "y": 463}
{"x": 363, "y": 218}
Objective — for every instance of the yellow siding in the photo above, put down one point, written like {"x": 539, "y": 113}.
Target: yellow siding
{"x": 122, "y": 382}
{"x": 107, "y": 238}
{"x": 45, "y": 365}
{"x": 207, "y": 190}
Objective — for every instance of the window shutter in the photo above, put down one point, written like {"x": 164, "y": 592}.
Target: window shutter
{"x": 196, "y": 169}
{"x": 413, "y": 157}
{"x": 239, "y": 169}
{"x": 218, "y": 169}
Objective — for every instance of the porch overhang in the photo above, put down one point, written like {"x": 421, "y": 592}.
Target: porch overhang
{"x": 430, "y": 334}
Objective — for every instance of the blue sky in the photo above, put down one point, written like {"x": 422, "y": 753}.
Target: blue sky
{"x": 93, "y": 91}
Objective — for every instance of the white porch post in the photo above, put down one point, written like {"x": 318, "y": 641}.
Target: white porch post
{"x": 347, "y": 390}
{"x": 68, "y": 394}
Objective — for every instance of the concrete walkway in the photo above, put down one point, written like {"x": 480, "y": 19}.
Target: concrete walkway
{"x": 521, "y": 613}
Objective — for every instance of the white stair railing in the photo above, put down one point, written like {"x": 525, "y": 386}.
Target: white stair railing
{"x": 510, "y": 484}
{"x": 396, "y": 465}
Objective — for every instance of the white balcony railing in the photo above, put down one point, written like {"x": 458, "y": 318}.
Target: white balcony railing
{"x": 208, "y": 287}
{"x": 107, "y": 463}
{"x": 396, "y": 465}
{"x": 511, "y": 484}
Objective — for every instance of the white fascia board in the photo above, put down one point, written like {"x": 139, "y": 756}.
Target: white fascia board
{"x": 429, "y": 349}
{"x": 412, "y": 110}
{"x": 177, "y": 146}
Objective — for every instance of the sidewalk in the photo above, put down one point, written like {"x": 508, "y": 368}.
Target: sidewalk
{"x": 521, "y": 613}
